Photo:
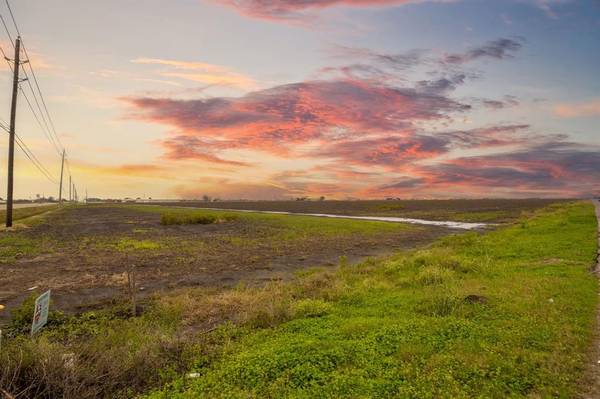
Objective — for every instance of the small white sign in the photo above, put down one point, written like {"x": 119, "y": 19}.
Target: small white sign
{"x": 40, "y": 313}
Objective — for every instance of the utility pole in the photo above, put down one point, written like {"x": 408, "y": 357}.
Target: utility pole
{"x": 11, "y": 140}
{"x": 62, "y": 167}
{"x": 70, "y": 188}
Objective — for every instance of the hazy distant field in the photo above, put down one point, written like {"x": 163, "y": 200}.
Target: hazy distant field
{"x": 485, "y": 210}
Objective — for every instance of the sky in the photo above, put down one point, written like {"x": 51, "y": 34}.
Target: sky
{"x": 274, "y": 99}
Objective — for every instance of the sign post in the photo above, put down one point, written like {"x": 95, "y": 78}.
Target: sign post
{"x": 40, "y": 313}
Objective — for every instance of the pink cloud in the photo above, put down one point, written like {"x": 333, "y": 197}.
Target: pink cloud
{"x": 577, "y": 110}
{"x": 292, "y": 9}
{"x": 274, "y": 119}
{"x": 366, "y": 134}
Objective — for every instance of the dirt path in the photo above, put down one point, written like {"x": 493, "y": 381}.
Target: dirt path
{"x": 593, "y": 368}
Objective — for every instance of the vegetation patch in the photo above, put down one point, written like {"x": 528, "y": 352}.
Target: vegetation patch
{"x": 471, "y": 316}
{"x": 171, "y": 218}
{"x": 14, "y": 245}
{"x": 484, "y": 331}
{"x": 129, "y": 244}
{"x": 24, "y": 213}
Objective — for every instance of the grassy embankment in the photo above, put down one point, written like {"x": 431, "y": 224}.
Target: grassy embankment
{"x": 24, "y": 213}
{"x": 478, "y": 210}
{"x": 509, "y": 313}
{"x": 291, "y": 226}
{"x": 14, "y": 244}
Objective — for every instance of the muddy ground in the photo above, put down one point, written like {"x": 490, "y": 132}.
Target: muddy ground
{"x": 77, "y": 255}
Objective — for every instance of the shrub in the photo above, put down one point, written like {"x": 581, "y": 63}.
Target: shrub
{"x": 431, "y": 275}
{"x": 441, "y": 303}
{"x": 194, "y": 218}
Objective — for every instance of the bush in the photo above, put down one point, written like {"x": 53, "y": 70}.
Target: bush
{"x": 431, "y": 275}
{"x": 441, "y": 303}
{"x": 194, "y": 218}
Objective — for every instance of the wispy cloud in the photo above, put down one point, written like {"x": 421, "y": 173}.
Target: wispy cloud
{"x": 499, "y": 49}
{"x": 576, "y": 110}
{"x": 200, "y": 72}
{"x": 290, "y": 10}
{"x": 367, "y": 134}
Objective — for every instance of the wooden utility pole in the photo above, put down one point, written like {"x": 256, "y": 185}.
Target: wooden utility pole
{"x": 62, "y": 168}
{"x": 70, "y": 188}
{"x": 11, "y": 140}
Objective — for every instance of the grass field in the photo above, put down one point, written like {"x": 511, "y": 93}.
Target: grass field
{"x": 479, "y": 210}
{"x": 506, "y": 314}
{"x": 84, "y": 252}
{"x": 509, "y": 313}
{"x": 28, "y": 212}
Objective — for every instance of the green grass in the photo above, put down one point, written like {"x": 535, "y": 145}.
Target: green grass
{"x": 24, "y": 213}
{"x": 506, "y": 314}
{"x": 170, "y": 218}
{"x": 129, "y": 244}
{"x": 13, "y": 246}
{"x": 391, "y": 332}
{"x": 290, "y": 227}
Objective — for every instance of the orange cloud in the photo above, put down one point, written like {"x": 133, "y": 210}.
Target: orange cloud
{"x": 577, "y": 110}
{"x": 280, "y": 119}
{"x": 201, "y": 72}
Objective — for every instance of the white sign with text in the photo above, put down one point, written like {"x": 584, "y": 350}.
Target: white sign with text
{"x": 40, "y": 313}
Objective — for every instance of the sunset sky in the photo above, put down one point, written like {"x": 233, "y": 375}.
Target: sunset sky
{"x": 270, "y": 99}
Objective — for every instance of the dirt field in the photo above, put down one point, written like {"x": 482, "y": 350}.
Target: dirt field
{"x": 486, "y": 210}
{"x": 82, "y": 253}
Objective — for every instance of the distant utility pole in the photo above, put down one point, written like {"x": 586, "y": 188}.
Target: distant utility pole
{"x": 62, "y": 168}
{"x": 11, "y": 140}
{"x": 70, "y": 188}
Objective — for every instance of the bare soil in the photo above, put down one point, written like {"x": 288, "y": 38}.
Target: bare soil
{"x": 82, "y": 265}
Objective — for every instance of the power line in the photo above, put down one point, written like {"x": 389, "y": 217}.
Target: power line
{"x": 32, "y": 73}
{"x": 48, "y": 136}
{"x": 45, "y": 128}
{"x": 42, "y": 114}
{"x": 28, "y": 152}
{"x": 46, "y": 123}
{"x": 30, "y": 155}
{"x": 7, "y": 30}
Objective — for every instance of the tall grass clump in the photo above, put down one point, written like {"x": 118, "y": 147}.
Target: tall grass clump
{"x": 180, "y": 218}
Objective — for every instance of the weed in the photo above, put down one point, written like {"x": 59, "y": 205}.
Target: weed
{"x": 129, "y": 244}
{"x": 179, "y": 218}
{"x": 430, "y": 275}
{"x": 311, "y": 308}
